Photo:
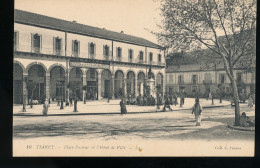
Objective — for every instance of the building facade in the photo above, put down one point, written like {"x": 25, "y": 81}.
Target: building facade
{"x": 56, "y": 59}
{"x": 193, "y": 79}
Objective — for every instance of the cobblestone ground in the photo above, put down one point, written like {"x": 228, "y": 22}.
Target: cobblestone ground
{"x": 178, "y": 125}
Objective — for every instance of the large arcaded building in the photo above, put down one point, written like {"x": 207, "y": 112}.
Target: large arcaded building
{"x": 60, "y": 57}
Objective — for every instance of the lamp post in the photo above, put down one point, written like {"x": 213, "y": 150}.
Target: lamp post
{"x": 157, "y": 96}
{"x": 61, "y": 105}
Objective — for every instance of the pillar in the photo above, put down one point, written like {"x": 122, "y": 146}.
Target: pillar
{"x": 99, "y": 85}
{"x": 112, "y": 86}
{"x": 47, "y": 85}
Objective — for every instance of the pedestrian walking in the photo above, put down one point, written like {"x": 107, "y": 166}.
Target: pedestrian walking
{"x": 75, "y": 104}
{"x": 167, "y": 104}
{"x": 46, "y": 106}
{"x": 212, "y": 98}
{"x": 181, "y": 100}
{"x": 197, "y": 109}
{"x": 171, "y": 99}
{"x": 123, "y": 106}
{"x": 210, "y": 95}
{"x": 175, "y": 100}
{"x": 70, "y": 101}
{"x": 250, "y": 101}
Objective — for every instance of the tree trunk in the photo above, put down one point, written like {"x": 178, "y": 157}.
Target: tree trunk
{"x": 236, "y": 102}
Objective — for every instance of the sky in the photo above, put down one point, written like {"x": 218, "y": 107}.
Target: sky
{"x": 133, "y": 17}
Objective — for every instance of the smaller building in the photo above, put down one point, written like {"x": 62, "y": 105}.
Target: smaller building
{"x": 195, "y": 78}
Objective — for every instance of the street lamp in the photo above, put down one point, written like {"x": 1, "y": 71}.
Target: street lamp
{"x": 61, "y": 106}
{"x": 157, "y": 95}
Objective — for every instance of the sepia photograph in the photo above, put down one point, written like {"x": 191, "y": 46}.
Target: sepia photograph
{"x": 134, "y": 78}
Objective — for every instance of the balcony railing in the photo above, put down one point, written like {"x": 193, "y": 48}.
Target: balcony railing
{"x": 69, "y": 53}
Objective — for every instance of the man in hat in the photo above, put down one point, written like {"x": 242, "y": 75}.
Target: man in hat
{"x": 123, "y": 106}
{"x": 197, "y": 109}
{"x": 45, "y": 108}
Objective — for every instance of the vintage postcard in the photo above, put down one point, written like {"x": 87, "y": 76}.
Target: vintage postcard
{"x": 134, "y": 78}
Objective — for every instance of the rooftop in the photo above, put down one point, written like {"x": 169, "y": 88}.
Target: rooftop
{"x": 34, "y": 19}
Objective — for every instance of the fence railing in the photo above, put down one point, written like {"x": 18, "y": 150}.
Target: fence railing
{"x": 69, "y": 53}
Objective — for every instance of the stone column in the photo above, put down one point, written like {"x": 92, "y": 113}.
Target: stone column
{"x": 47, "y": 85}
{"x": 99, "y": 85}
{"x": 112, "y": 86}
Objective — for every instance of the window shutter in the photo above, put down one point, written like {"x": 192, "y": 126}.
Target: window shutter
{"x": 54, "y": 45}
{"x": 61, "y": 44}
{"x": 116, "y": 52}
{"x": 17, "y": 39}
{"x": 88, "y": 50}
{"x": 104, "y": 53}
{"x": 72, "y": 50}
{"x": 94, "y": 50}
{"x": 78, "y": 48}
{"x": 40, "y": 43}
{"x": 32, "y": 42}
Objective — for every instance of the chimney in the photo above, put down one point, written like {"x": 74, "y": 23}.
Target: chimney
{"x": 122, "y": 32}
{"x": 74, "y": 21}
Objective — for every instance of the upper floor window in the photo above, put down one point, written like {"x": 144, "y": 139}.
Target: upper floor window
{"x": 151, "y": 56}
{"x": 159, "y": 58}
{"x": 92, "y": 49}
{"x": 36, "y": 43}
{"x": 106, "y": 51}
{"x": 239, "y": 77}
{"x": 130, "y": 54}
{"x": 194, "y": 79}
{"x": 15, "y": 40}
{"x": 57, "y": 45}
{"x": 222, "y": 78}
{"x": 119, "y": 52}
{"x": 141, "y": 56}
{"x": 75, "y": 48}
{"x": 180, "y": 79}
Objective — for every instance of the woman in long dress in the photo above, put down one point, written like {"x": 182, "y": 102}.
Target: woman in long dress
{"x": 197, "y": 109}
{"x": 45, "y": 108}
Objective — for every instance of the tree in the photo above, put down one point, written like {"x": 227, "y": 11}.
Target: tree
{"x": 226, "y": 27}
